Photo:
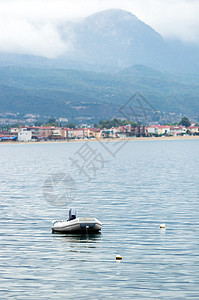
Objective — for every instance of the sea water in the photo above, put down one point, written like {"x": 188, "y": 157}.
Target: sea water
{"x": 131, "y": 188}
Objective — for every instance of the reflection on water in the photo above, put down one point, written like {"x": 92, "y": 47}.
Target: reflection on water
{"x": 78, "y": 242}
{"x": 147, "y": 184}
{"x": 77, "y": 238}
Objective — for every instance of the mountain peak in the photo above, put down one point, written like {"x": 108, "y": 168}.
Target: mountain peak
{"x": 114, "y": 16}
{"x": 113, "y": 13}
{"x": 113, "y": 20}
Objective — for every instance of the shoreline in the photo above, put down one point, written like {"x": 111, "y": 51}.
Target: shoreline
{"x": 136, "y": 139}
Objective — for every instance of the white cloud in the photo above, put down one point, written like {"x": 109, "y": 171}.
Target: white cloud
{"x": 21, "y": 36}
{"x": 30, "y": 26}
{"x": 173, "y": 18}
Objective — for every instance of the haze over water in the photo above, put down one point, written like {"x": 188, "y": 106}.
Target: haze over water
{"x": 147, "y": 183}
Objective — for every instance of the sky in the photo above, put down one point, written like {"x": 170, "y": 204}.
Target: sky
{"x": 30, "y": 26}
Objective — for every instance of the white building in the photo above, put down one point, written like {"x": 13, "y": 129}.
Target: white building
{"x": 178, "y": 130}
{"x": 24, "y": 135}
{"x": 193, "y": 129}
{"x": 158, "y": 129}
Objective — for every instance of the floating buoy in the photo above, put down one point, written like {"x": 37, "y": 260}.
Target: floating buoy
{"x": 118, "y": 257}
{"x": 163, "y": 226}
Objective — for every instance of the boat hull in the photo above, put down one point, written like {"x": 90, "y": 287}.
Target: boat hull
{"x": 79, "y": 225}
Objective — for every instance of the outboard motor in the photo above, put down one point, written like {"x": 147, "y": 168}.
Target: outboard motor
{"x": 72, "y": 214}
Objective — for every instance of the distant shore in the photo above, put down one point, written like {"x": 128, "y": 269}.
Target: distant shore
{"x": 166, "y": 138}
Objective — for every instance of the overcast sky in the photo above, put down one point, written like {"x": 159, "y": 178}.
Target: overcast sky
{"x": 30, "y": 26}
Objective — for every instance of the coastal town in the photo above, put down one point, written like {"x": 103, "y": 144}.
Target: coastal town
{"x": 55, "y": 133}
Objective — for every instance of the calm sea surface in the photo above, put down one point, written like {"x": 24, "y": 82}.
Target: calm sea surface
{"x": 132, "y": 191}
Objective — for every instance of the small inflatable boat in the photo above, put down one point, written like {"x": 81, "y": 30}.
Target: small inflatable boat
{"x": 77, "y": 225}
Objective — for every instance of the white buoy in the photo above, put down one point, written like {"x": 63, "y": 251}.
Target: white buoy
{"x": 118, "y": 257}
{"x": 163, "y": 226}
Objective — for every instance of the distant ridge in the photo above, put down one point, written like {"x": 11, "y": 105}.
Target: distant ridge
{"x": 82, "y": 94}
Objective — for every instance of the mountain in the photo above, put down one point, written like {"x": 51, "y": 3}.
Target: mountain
{"x": 116, "y": 37}
{"x": 114, "y": 55}
{"x": 110, "y": 41}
